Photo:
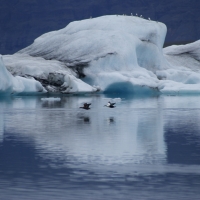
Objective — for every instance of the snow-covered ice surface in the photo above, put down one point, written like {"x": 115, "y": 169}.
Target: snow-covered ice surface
{"x": 22, "y": 65}
{"x": 115, "y": 53}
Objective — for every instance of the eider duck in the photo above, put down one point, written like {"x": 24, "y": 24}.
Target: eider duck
{"x": 86, "y": 106}
{"x": 110, "y": 105}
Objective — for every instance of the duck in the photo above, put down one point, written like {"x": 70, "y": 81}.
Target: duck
{"x": 110, "y": 105}
{"x": 86, "y": 106}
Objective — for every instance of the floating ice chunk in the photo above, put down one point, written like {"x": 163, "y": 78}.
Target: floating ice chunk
{"x": 117, "y": 100}
{"x": 51, "y": 99}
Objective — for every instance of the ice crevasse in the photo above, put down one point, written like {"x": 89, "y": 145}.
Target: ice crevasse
{"x": 116, "y": 53}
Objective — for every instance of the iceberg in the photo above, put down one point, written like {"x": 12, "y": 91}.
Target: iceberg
{"x": 116, "y": 53}
{"x": 183, "y": 77}
{"x": 110, "y": 54}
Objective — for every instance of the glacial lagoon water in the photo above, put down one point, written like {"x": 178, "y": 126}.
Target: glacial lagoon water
{"x": 146, "y": 148}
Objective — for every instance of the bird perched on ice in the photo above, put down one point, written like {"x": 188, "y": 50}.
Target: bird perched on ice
{"x": 136, "y": 14}
{"x": 110, "y": 105}
{"x": 149, "y": 19}
{"x": 86, "y": 106}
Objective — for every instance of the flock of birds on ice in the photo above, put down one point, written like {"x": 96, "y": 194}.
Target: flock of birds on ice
{"x": 132, "y": 15}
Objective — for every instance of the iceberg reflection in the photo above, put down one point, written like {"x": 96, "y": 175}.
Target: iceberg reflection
{"x": 136, "y": 135}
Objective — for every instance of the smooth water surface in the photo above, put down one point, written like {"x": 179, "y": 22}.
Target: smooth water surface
{"x": 145, "y": 148}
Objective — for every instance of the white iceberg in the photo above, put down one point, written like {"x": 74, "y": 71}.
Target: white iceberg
{"x": 112, "y": 54}
{"x": 183, "y": 77}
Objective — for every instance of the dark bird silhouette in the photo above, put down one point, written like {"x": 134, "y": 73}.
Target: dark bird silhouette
{"x": 86, "y": 106}
{"x": 110, "y": 105}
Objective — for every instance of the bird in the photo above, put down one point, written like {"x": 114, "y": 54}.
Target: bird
{"x": 86, "y": 106}
{"x": 149, "y": 19}
{"x": 110, "y": 105}
{"x": 136, "y": 14}
{"x": 141, "y": 16}
{"x": 131, "y": 14}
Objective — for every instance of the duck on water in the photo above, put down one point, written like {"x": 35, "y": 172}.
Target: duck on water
{"x": 110, "y": 105}
{"x": 86, "y": 106}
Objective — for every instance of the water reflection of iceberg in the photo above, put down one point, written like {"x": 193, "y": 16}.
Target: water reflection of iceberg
{"x": 1, "y": 127}
{"x": 134, "y": 135}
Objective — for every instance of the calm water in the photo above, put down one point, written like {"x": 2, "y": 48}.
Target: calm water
{"x": 145, "y": 148}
